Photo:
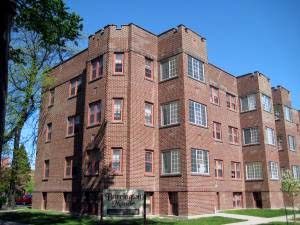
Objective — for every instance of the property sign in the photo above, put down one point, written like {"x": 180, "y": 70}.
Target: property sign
{"x": 123, "y": 202}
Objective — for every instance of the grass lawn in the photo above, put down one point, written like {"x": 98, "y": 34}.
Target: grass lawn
{"x": 268, "y": 213}
{"x": 280, "y": 223}
{"x": 37, "y": 217}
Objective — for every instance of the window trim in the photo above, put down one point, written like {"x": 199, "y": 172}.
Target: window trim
{"x": 270, "y": 170}
{"x": 214, "y": 92}
{"x": 114, "y": 64}
{"x": 95, "y": 122}
{"x": 46, "y": 168}
{"x": 247, "y": 96}
{"x": 152, "y": 163}
{"x": 230, "y": 97}
{"x": 293, "y": 174}
{"x": 152, "y": 114}
{"x": 230, "y": 129}
{"x": 192, "y": 76}
{"x": 208, "y": 162}
{"x": 290, "y": 113}
{"x": 262, "y": 102}
{"x": 215, "y": 124}
{"x": 151, "y": 68}
{"x": 98, "y": 59}
{"x": 267, "y": 136}
{"x": 168, "y": 61}
{"x": 235, "y": 163}
{"x": 71, "y": 167}
{"x": 246, "y": 171}
{"x": 119, "y": 172}
{"x": 121, "y": 111}
{"x": 74, "y": 118}
{"x": 258, "y": 133}
{"x": 78, "y": 82}
{"x": 179, "y": 162}
{"x": 51, "y": 97}
{"x": 162, "y": 114}
{"x": 206, "y": 116}
{"x": 217, "y": 161}
{"x": 294, "y": 143}
{"x": 49, "y": 125}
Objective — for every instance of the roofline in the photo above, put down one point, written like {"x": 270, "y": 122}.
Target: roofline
{"x": 222, "y": 70}
{"x": 71, "y": 57}
{"x": 253, "y": 73}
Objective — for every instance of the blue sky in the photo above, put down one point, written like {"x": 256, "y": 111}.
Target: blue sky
{"x": 242, "y": 36}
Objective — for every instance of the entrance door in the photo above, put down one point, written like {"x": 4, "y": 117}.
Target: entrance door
{"x": 237, "y": 200}
{"x": 257, "y": 199}
{"x": 44, "y": 204}
{"x": 173, "y": 200}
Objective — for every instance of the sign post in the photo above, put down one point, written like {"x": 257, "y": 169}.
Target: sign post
{"x": 123, "y": 202}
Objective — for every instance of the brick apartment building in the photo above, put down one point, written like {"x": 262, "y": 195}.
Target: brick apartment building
{"x": 143, "y": 111}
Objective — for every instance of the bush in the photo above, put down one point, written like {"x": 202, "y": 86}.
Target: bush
{"x": 2, "y": 200}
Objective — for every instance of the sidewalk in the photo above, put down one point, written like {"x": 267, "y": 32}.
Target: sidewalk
{"x": 252, "y": 220}
{"x": 9, "y": 223}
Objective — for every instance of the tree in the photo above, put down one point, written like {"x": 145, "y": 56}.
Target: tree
{"x": 55, "y": 27}
{"x": 291, "y": 187}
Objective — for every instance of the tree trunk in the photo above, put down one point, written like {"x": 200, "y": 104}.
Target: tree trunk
{"x": 14, "y": 169}
{"x": 7, "y": 11}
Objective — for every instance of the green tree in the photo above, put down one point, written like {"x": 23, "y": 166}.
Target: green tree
{"x": 29, "y": 185}
{"x": 55, "y": 30}
{"x": 290, "y": 186}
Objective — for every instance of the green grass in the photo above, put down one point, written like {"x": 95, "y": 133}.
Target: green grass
{"x": 37, "y": 217}
{"x": 280, "y": 223}
{"x": 268, "y": 213}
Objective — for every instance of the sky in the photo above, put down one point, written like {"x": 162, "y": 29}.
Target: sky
{"x": 242, "y": 36}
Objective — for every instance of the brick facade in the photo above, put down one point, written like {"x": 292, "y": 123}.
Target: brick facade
{"x": 183, "y": 193}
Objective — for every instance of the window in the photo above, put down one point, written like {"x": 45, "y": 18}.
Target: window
{"x": 170, "y": 113}
{"x": 218, "y": 168}
{"x": 148, "y": 68}
{"x": 296, "y": 172}
{"x": 117, "y": 109}
{"x": 51, "y": 97}
{"x": 97, "y": 68}
{"x": 288, "y": 114}
{"x": 280, "y": 142}
{"x": 195, "y": 69}
{"x": 171, "y": 162}
{"x": 214, "y": 95}
{"x": 237, "y": 200}
{"x": 277, "y": 112}
{"x": 217, "y": 133}
{"x": 197, "y": 113}
{"x": 231, "y": 102}
{"x": 266, "y": 102}
{"x": 233, "y": 135}
{"x": 149, "y": 162}
{"x": 292, "y": 143}
{"x": 251, "y": 136}
{"x": 94, "y": 113}
{"x": 75, "y": 87}
{"x": 168, "y": 69}
{"x": 254, "y": 171}
{"x": 270, "y": 136}
{"x": 73, "y": 125}
{"x": 274, "y": 171}
{"x": 119, "y": 60}
{"x": 200, "y": 162}
{"x": 92, "y": 162}
{"x": 49, "y": 132}
{"x": 46, "y": 169}
{"x": 116, "y": 160}
{"x": 235, "y": 170}
{"x": 68, "y": 166}
{"x": 248, "y": 103}
{"x": 149, "y": 114}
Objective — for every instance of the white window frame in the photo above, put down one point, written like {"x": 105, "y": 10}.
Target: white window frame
{"x": 196, "y": 116}
{"x": 196, "y": 69}
{"x": 175, "y": 156}
{"x": 270, "y": 133}
{"x": 288, "y": 116}
{"x": 172, "y": 68}
{"x": 296, "y": 172}
{"x": 274, "y": 170}
{"x": 249, "y": 98}
{"x": 266, "y": 103}
{"x": 173, "y": 111}
{"x": 292, "y": 146}
{"x": 255, "y": 165}
{"x": 252, "y": 136}
{"x": 199, "y": 161}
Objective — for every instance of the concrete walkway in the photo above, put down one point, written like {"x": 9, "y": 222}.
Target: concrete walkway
{"x": 9, "y": 223}
{"x": 252, "y": 220}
